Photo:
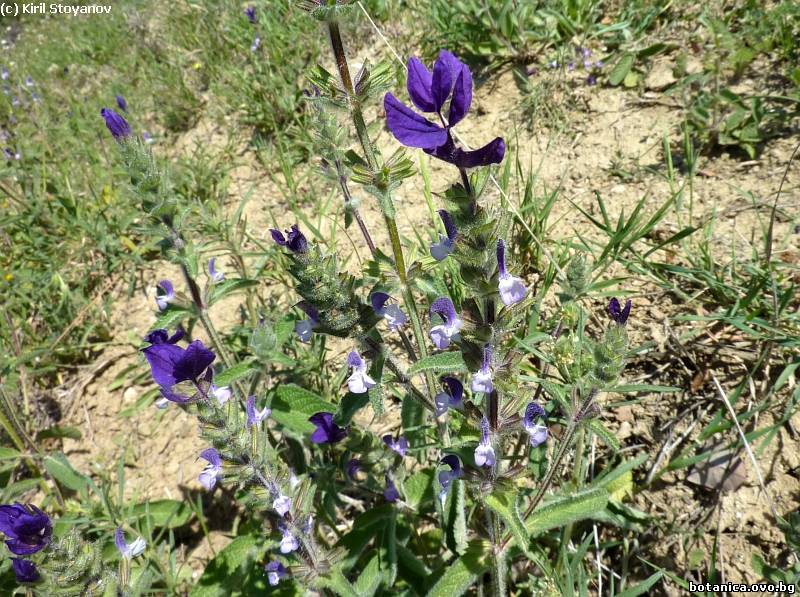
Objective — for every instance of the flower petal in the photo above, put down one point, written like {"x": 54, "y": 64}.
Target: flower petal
{"x": 462, "y": 97}
{"x": 491, "y": 153}
{"x": 419, "y": 85}
{"x": 410, "y": 128}
{"x": 445, "y": 70}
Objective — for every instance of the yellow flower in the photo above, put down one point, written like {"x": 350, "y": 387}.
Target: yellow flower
{"x": 9, "y": 277}
{"x": 197, "y": 65}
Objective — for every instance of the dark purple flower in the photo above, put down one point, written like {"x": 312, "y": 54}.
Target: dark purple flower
{"x": 617, "y": 312}
{"x": 591, "y": 80}
{"x": 536, "y": 431}
{"x": 250, "y": 12}
{"x": 327, "y": 432}
{"x": 275, "y": 572}
{"x": 452, "y": 398}
{"x": 353, "y": 467}
{"x": 123, "y": 105}
{"x": 484, "y": 453}
{"x": 390, "y": 493}
{"x": 26, "y": 528}
{"x": 446, "y": 478}
{"x": 429, "y": 92}
{"x": 511, "y": 288}
{"x": 399, "y": 445}
{"x": 392, "y": 313}
{"x": 117, "y": 125}
{"x": 442, "y": 334}
{"x": 213, "y": 470}
{"x": 444, "y": 247}
{"x": 166, "y": 296}
{"x": 294, "y": 240}
{"x": 24, "y": 570}
{"x": 170, "y": 364}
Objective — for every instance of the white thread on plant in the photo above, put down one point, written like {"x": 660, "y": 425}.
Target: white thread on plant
{"x": 750, "y": 454}
{"x": 503, "y": 194}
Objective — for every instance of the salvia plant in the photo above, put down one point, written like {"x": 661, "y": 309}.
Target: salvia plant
{"x": 500, "y": 383}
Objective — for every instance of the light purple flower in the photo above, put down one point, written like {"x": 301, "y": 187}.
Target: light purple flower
{"x": 305, "y": 327}
{"x": 4, "y": 74}
{"x": 128, "y": 550}
{"x": 484, "y": 453}
{"x": 442, "y": 334}
{"x": 275, "y": 572}
{"x": 282, "y": 504}
{"x": 536, "y": 431}
{"x": 429, "y": 92}
{"x": 213, "y": 470}
{"x": 289, "y": 542}
{"x": 161, "y": 403}
{"x": 353, "y": 467}
{"x": 399, "y": 445}
{"x": 482, "y": 380}
{"x": 222, "y": 394}
{"x": 255, "y": 416}
{"x": 511, "y": 288}
{"x": 256, "y": 43}
{"x": 451, "y": 398}
{"x": 359, "y": 381}
{"x": 390, "y": 493}
{"x": 166, "y": 296}
{"x": 29, "y": 81}
{"x": 444, "y": 247}
{"x": 446, "y": 478}
{"x": 216, "y": 276}
{"x": 394, "y": 317}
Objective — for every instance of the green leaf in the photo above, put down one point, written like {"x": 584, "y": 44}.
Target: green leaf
{"x": 337, "y": 583}
{"x": 642, "y": 587}
{"x": 293, "y": 406}
{"x": 418, "y": 488}
{"x": 235, "y": 373}
{"x": 171, "y": 317}
{"x": 457, "y": 518}
{"x": 502, "y": 504}
{"x": 621, "y": 69}
{"x": 443, "y": 362}
{"x": 228, "y": 287}
{"x": 229, "y": 571}
{"x": 349, "y": 406}
{"x": 604, "y": 434}
{"x": 163, "y": 513}
{"x": 369, "y": 579}
{"x": 61, "y": 470}
{"x": 59, "y": 432}
{"x": 461, "y": 574}
{"x": 564, "y": 510}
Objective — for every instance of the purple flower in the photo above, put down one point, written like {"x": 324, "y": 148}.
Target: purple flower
{"x": 511, "y": 288}
{"x": 255, "y": 416}
{"x": 250, "y": 12}
{"x": 10, "y": 154}
{"x": 390, "y": 493}
{"x": 444, "y": 247}
{"x": 552, "y": 64}
{"x": 123, "y": 105}
{"x": 305, "y": 327}
{"x": 213, "y": 470}
{"x": 294, "y": 241}
{"x": 116, "y": 124}
{"x": 482, "y": 380}
{"x": 429, "y": 92}
{"x": 617, "y": 312}
{"x": 399, "y": 445}
{"x": 446, "y": 478}
{"x": 282, "y": 504}
{"x": 289, "y": 542}
{"x": 353, "y": 467}
{"x": 171, "y": 364}
{"x": 537, "y": 431}
{"x": 166, "y": 296}
{"x": 24, "y": 570}
{"x": 26, "y": 528}
{"x": 451, "y": 398}
{"x": 148, "y": 138}
{"x": 215, "y": 276}
{"x": 222, "y": 394}
{"x": 443, "y": 333}
{"x": 359, "y": 381}
{"x": 484, "y": 453}
{"x": 275, "y": 572}
{"x": 394, "y": 317}
{"x": 128, "y": 551}
{"x": 591, "y": 80}
{"x": 29, "y": 81}
{"x": 327, "y": 432}
{"x": 256, "y": 43}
